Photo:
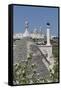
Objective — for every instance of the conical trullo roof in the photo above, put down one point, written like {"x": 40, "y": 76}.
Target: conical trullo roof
{"x": 26, "y": 33}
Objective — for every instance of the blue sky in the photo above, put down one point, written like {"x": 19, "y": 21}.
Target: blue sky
{"x": 36, "y": 16}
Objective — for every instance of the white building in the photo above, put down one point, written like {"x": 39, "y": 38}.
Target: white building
{"x": 46, "y": 49}
{"x": 17, "y": 35}
{"x": 26, "y": 33}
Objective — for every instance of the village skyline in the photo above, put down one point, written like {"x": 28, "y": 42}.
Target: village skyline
{"x": 37, "y": 16}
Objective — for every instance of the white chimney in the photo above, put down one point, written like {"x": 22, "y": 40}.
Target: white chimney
{"x": 48, "y": 34}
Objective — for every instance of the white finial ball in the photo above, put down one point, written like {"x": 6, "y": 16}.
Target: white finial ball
{"x": 26, "y": 22}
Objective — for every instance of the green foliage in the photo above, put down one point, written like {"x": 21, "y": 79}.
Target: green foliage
{"x": 55, "y": 51}
{"x": 24, "y": 72}
{"x": 55, "y": 75}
